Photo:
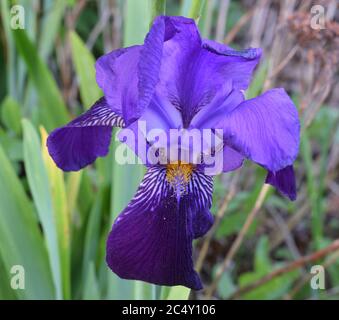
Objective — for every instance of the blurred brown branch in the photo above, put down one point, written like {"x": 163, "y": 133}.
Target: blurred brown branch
{"x": 288, "y": 268}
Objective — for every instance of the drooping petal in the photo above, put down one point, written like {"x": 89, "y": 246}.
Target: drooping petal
{"x": 85, "y": 138}
{"x": 264, "y": 129}
{"x": 284, "y": 181}
{"x": 151, "y": 240}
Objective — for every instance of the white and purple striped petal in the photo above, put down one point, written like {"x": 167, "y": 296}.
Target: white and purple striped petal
{"x": 85, "y": 138}
{"x": 151, "y": 240}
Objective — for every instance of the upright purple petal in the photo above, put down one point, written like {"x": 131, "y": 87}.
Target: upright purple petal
{"x": 233, "y": 64}
{"x": 284, "y": 181}
{"x": 117, "y": 76}
{"x": 223, "y": 102}
{"x": 193, "y": 71}
{"x": 128, "y": 76}
{"x": 85, "y": 138}
{"x": 151, "y": 240}
{"x": 264, "y": 129}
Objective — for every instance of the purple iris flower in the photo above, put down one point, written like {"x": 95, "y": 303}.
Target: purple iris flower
{"x": 178, "y": 80}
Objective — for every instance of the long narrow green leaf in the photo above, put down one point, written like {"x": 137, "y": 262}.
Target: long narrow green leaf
{"x": 85, "y": 71}
{"x": 53, "y": 109}
{"x": 61, "y": 214}
{"x": 39, "y": 186}
{"x": 6, "y": 291}
{"x": 137, "y": 15}
{"x": 178, "y": 293}
{"x": 10, "y": 65}
{"x": 316, "y": 223}
{"x": 91, "y": 289}
{"x": 11, "y": 115}
{"x": 158, "y": 8}
{"x": 72, "y": 189}
{"x": 196, "y": 9}
{"x": 51, "y": 23}
{"x": 192, "y": 8}
{"x": 92, "y": 235}
{"x": 21, "y": 241}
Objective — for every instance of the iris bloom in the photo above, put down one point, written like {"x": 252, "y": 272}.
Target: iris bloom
{"x": 176, "y": 80}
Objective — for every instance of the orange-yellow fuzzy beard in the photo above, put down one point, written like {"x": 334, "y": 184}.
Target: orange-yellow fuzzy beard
{"x": 178, "y": 175}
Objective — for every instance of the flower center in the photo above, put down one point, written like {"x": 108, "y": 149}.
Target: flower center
{"x": 178, "y": 175}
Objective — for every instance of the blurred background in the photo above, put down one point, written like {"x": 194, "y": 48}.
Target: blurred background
{"x": 55, "y": 225}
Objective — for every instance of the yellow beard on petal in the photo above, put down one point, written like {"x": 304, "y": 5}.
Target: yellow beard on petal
{"x": 178, "y": 175}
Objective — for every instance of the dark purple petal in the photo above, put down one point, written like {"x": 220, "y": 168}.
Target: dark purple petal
{"x": 202, "y": 222}
{"x": 284, "y": 181}
{"x": 264, "y": 129}
{"x": 151, "y": 240}
{"x": 85, "y": 138}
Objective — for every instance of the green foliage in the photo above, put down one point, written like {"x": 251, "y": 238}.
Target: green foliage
{"x": 21, "y": 241}
{"x": 273, "y": 289}
{"x": 84, "y": 66}
{"x": 11, "y": 115}
{"x": 53, "y": 110}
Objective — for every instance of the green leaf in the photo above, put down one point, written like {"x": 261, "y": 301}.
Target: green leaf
{"x": 6, "y": 291}
{"x": 178, "y": 293}
{"x": 10, "y": 63}
{"x": 258, "y": 81}
{"x": 53, "y": 110}
{"x": 273, "y": 289}
{"x": 12, "y": 146}
{"x": 84, "y": 66}
{"x": 137, "y": 16}
{"x": 91, "y": 243}
{"x": 192, "y": 9}
{"x": 196, "y": 9}
{"x": 72, "y": 189}
{"x": 61, "y": 214}
{"x": 21, "y": 242}
{"x": 51, "y": 22}
{"x": 91, "y": 289}
{"x": 39, "y": 186}
{"x": 158, "y": 8}
{"x": 11, "y": 115}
